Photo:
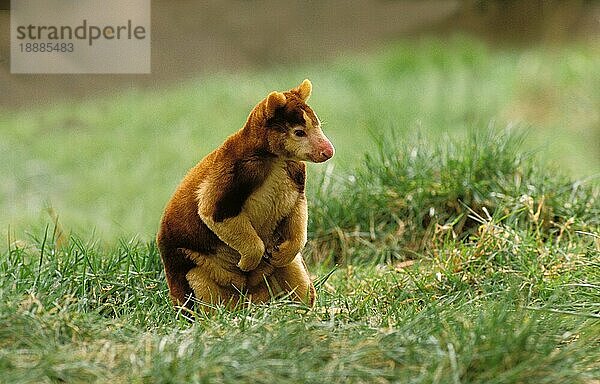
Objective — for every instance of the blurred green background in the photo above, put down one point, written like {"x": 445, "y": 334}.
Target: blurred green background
{"x": 105, "y": 152}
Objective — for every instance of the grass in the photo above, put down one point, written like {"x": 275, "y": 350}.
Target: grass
{"x": 454, "y": 254}
{"x": 410, "y": 196}
{"x": 508, "y": 298}
{"x": 108, "y": 166}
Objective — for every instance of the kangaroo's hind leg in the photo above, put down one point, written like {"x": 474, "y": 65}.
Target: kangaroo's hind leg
{"x": 177, "y": 265}
{"x": 292, "y": 279}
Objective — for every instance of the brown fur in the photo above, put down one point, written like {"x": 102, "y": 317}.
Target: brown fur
{"x": 237, "y": 222}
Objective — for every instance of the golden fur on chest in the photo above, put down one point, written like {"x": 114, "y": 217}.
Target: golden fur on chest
{"x": 266, "y": 207}
{"x": 271, "y": 202}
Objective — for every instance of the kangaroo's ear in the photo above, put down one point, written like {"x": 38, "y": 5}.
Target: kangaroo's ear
{"x": 274, "y": 100}
{"x": 303, "y": 90}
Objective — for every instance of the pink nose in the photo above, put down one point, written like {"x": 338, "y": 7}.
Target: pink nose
{"x": 327, "y": 150}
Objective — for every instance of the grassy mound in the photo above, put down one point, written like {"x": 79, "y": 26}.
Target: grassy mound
{"x": 411, "y": 196}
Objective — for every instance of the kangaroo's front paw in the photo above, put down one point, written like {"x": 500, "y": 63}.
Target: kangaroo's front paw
{"x": 284, "y": 253}
{"x": 250, "y": 260}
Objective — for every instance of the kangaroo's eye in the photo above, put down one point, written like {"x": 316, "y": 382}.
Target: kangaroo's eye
{"x": 299, "y": 133}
